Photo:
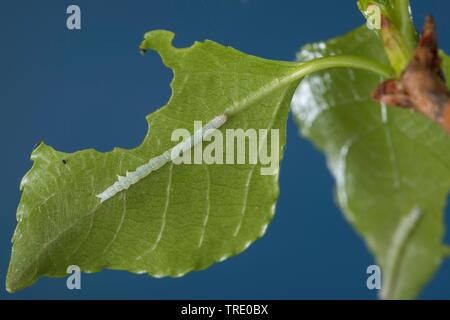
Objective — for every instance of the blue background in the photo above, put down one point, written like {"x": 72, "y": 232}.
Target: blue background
{"x": 73, "y": 89}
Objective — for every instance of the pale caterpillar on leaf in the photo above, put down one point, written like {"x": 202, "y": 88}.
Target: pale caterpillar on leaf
{"x": 123, "y": 183}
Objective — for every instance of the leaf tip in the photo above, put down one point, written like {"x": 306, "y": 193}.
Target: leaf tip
{"x": 9, "y": 289}
{"x": 10, "y": 285}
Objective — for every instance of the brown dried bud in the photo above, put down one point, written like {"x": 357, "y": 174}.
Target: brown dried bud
{"x": 421, "y": 86}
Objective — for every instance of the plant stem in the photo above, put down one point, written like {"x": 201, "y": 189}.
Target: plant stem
{"x": 344, "y": 62}
{"x": 403, "y": 15}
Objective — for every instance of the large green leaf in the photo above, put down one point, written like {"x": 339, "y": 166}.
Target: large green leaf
{"x": 392, "y": 166}
{"x": 179, "y": 218}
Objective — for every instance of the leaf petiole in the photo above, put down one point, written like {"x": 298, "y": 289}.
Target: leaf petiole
{"x": 344, "y": 61}
{"x": 304, "y": 69}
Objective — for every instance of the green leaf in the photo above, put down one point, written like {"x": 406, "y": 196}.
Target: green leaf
{"x": 179, "y": 218}
{"x": 392, "y": 166}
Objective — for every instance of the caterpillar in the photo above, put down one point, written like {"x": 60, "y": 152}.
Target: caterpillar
{"x": 130, "y": 178}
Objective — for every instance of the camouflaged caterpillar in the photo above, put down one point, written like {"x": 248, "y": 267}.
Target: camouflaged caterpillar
{"x": 123, "y": 183}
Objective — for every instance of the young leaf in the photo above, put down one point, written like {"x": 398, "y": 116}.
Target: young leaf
{"x": 399, "y": 13}
{"x": 392, "y": 166}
